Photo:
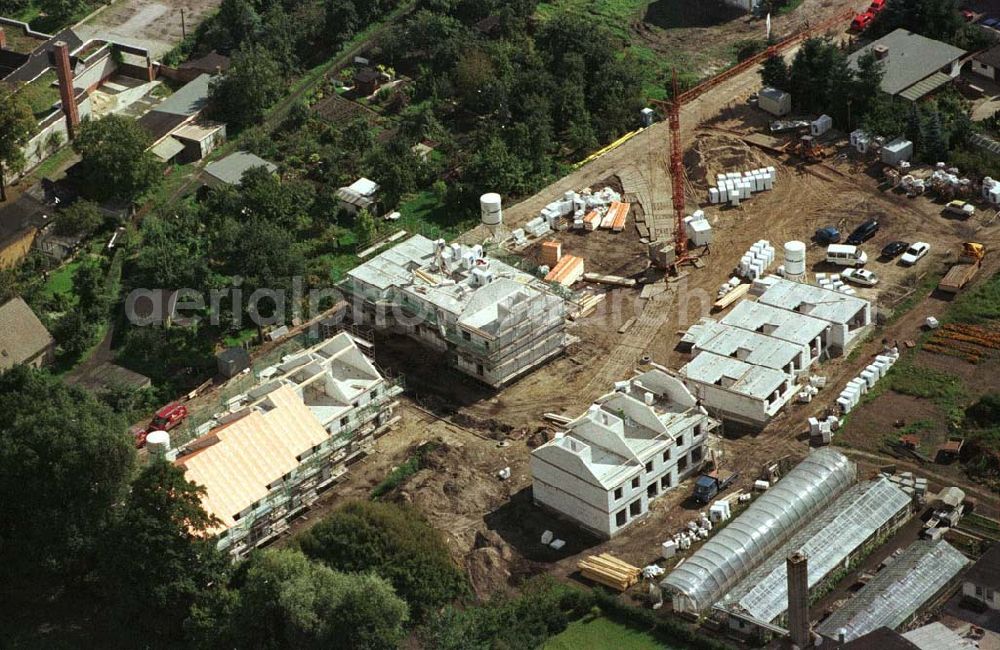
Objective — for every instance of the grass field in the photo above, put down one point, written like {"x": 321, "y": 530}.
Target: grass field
{"x": 60, "y": 281}
{"x": 599, "y": 633}
{"x": 616, "y": 15}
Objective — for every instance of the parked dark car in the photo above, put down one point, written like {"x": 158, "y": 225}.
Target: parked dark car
{"x": 863, "y": 233}
{"x": 894, "y": 249}
{"x": 828, "y": 235}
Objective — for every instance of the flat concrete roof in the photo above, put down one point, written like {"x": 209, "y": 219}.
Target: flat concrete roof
{"x": 762, "y": 350}
{"x": 825, "y": 304}
{"x": 755, "y": 381}
{"x": 781, "y": 323}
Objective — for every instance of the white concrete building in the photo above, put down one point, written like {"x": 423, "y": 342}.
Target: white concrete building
{"x": 629, "y": 448}
{"x": 752, "y": 347}
{"x": 849, "y": 317}
{"x": 797, "y": 329}
{"x": 487, "y": 318}
{"x": 737, "y": 391}
{"x": 287, "y": 440}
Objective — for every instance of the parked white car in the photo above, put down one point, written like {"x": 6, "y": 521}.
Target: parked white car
{"x": 961, "y": 208}
{"x": 863, "y": 277}
{"x": 915, "y": 252}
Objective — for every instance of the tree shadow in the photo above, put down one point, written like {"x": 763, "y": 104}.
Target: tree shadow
{"x": 671, "y": 14}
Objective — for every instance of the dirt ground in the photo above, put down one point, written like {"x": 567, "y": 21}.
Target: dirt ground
{"x": 706, "y": 31}
{"x": 153, "y": 24}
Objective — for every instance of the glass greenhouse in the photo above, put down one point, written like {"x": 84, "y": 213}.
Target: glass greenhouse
{"x": 858, "y": 515}
{"x": 898, "y": 591}
{"x": 770, "y": 520}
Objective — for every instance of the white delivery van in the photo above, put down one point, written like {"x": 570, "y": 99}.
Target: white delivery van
{"x": 845, "y": 255}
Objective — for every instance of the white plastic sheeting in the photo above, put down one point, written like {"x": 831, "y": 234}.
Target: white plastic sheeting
{"x": 770, "y": 520}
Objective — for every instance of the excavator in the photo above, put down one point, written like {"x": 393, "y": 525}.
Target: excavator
{"x": 807, "y": 148}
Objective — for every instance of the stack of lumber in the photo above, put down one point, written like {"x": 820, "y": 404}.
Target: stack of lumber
{"x": 609, "y": 571}
{"x": 614, "y": 218}
{"x": 551, "y": 253}
{"x": 567, "y": 271}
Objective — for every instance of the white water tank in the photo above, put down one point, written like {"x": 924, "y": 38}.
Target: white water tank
{"x": 490, "y": 209}
{"x": 795, "y": 258}
{"x": 158, "y": 444}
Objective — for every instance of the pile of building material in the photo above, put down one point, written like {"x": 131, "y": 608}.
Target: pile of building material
{"x": 821, "y": 431}
{"x": 586, "y": 208}
{"x": 697, "y": 228}
{"x": 811, "y": 389}
{"x": 728, "y": 287}
{"x": 733, "y": 187}
{"x": 991, "y": 190}
{"x": 834, "y": 282}
{"x": 609, "y": 571}
{"x": 571, "y": 204}
{"x": 755, "y": 261}
{"x": 538, "y": 227}
{"x": 913, "y": 185}
{"x": 551, "y": 253}
{"x": 915, "y": 487}
{"x": 851, "y": 395}
{"x": 614, "y": 218}
{"x": 567, "y": 271}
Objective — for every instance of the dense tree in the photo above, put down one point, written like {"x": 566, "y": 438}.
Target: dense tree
{"x": 114, "y": 160}
{"x": 156, "y": 557}
{"x": 396, "y": 543}
{"x": 253, "y": 82}
{"x": 174, "y": 253}
{"x": 79, "y": 218}
{"x": 365, "y": 227}
{"x": 281, "y": 599}
{"x": 64, "y": 461}
{"x": 16, "y": 126}
{"x": 774, "y": 72}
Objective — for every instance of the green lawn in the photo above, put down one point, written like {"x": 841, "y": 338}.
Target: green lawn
{"x": 616, "y": 15}
{"x": 423, "y": 214}
{"x": 601, "y": 633}
{"x": 61, "y": 280}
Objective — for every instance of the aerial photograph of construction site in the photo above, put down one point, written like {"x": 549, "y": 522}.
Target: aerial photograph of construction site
{"x": 500, "y": 324}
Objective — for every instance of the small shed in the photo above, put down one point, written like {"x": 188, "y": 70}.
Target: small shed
{"x": 897, "y": 151}
{"x": 359, "y": 195}
{"x": 232, "y": 361}
{"x": 774, "y": 101}
{"x": 366, "y": 81}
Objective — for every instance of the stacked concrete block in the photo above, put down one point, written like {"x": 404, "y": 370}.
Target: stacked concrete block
{"x": 864, "y": 382}
{"x": 733, "y": 187}
{"x": 756, "y": 261}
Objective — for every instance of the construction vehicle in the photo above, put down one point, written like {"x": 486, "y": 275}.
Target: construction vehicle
{"x": 965, "y": 269}
{"x": 167, "y": 418}
{"x": 709, "y": 485}
{"x": 807, "y": 148}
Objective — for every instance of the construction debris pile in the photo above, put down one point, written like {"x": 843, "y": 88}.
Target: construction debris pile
{"x": 756, "y": 261}
{"x": 948, "y": 183}
{"x": 821, "y": 430}
{"x": 851, "y": 395}
{"x": 733, "y": 187}
{"x": 816, "y": 383}
{"x": 609, "y": 571}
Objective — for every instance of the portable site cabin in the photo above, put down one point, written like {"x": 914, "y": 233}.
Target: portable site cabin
{"x": 897, "y": 151}
{"x": 774, "y": 101}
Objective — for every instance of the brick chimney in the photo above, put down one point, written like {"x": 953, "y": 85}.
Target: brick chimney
{"x": 797, "y": 571}
{"x": 3, "y": 39}
{"x": 65, "y": 73}
{"x": 881, "y": 52}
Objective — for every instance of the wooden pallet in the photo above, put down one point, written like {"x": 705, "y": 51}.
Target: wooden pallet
{"x": 609, "y": 571}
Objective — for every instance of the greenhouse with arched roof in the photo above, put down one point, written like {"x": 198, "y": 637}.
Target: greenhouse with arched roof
{"x": 769, "y": 521}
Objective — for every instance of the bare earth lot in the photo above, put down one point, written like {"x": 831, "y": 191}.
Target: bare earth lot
{"x": 152, "y": 24}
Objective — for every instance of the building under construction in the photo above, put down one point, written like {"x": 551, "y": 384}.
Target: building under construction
{"x": 489, "y": 319}
{"x": 288, "y": 440}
